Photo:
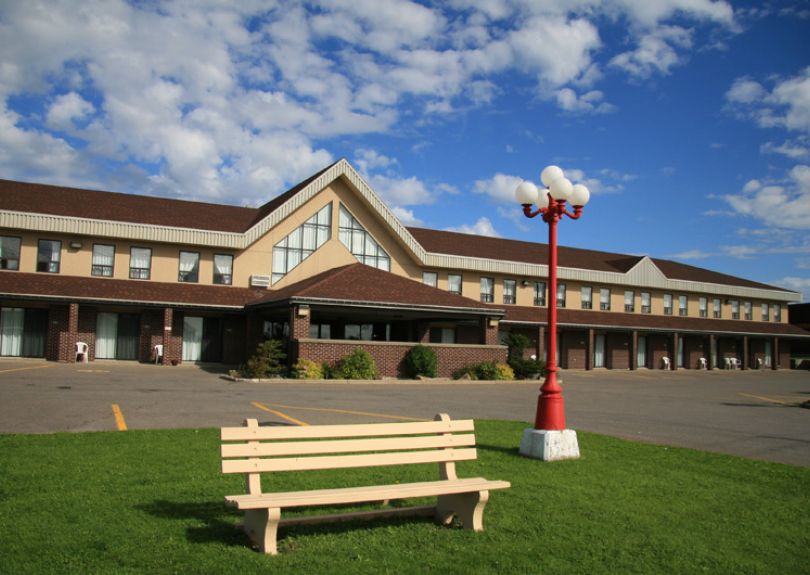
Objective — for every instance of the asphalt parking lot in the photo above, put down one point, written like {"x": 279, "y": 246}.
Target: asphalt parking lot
{"x": 753, "y": 413}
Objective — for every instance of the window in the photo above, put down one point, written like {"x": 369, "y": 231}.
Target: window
{"x": 586, "y": 295}
{"x": 765, "y": 313}
{"x": 749, "y": 314}
{"x": 703, "y": 307}
{"x": 358, "y": 241}
{"x": 487, "y": 290}
{"x": 539, "y": 293}
{"x": 301, "y": 243}
{"x": 442, "y": 335}
{"x": 629, "y": 300}
{"x": 320, "y": 331}
{"x": 777, "y": 312}
{"x": 48, "y": 255}
{"x": 718, "y": 308}
{"x": 604, "y": 299}
{"x": 9, "y": 253}
{"x": 667, "y": 304}
{"x": 683, "y": 310}
{"x": 735, "y": 309}
{"x": 140, "y": 263}
{"x": 454, "y": 283}
{"x": 189, "y": 267}
{"x": 645, "y": 302}
{"x": 103, "y": 258}
{"x": 509, "y": 291}
{"x": 430, "y": 279}
{"x": 223, "y": 269}
{"x": 560, "y": 295}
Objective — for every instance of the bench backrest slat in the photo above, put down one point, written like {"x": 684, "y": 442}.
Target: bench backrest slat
{"x": 333, "y": 431}
{"x": 345, "y": 461}
{"x": 258, "y": 449}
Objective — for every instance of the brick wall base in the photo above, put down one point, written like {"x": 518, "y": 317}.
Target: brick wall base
{"x": 388, "y": 356}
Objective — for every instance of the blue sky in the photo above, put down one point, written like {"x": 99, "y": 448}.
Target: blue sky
{"x": 689, "y": 120}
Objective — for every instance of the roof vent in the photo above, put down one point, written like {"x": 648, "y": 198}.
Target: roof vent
{"x": 259, "y": 281}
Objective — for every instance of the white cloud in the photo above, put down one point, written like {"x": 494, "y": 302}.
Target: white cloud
{"x": 483, "y": 227}
{"x": 406, "y": 216}
{"x": 784, "y": 204}
{"x": 590, "y": 102}
{"x": 787, "y": 105}
{"x": 695, "y": 254}
{"x": 793, "y": 149}
{"x": 67, "y": 109}
{"x": 657, "y": 52}
{"x": 500, "y": 187}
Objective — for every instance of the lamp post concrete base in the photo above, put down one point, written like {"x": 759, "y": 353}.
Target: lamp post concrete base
{"x": 549, "y": 445}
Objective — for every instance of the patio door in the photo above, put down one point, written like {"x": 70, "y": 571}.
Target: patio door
{"x": 116, "y": 336}
{"x": 192, "y": 338}
{"x": 641, "y": 351}
{"x": 35, "y": 330}
{"x": 211, "y": 339}
{"x": 599, "y": 350}
{"x": 11, "y": 331}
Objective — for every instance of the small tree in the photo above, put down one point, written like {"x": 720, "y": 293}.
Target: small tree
{"x": 268, "y": 360}
{"x": 421, "y": 360}
{"x": 523, "y": 368}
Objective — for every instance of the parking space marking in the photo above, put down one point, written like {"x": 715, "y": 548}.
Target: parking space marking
{"x": 763, "y": 398}
{"x": 349, "y": 412}
{"x": 26, "y": 368}
{"x": 278, "y": 413}
{"x": 119, "y": 418}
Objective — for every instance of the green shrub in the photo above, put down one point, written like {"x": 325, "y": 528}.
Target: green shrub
{"x": 421, "y": 360}
{"x": 522, "y": 367}
{"x": 269, "y": 360}
{"x": 466, "y": 372}
{"x": 357, "y": 365}
{"x": 308, "y": 369}
{"x": 504, "y": 372}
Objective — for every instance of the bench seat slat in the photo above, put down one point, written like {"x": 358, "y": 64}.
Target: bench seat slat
{"x": 346, "y": 445}
{"x": 346, "y": 461}
{"x": 331, "y": 431}
{"x": 363, "y": 494}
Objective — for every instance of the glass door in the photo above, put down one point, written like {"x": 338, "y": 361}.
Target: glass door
{"x": 126, "y": 343}
{"x": 192, "y": 338}
{"x": 11, "y": 331}
{"x": 106, "y": 335}
{"x": 641, "y": 351}
{"x": 35, "y": 330}
{"x": 599, "y": 350}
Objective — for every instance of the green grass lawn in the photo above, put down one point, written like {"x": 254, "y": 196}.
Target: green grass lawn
{"x": 152, "y": 502}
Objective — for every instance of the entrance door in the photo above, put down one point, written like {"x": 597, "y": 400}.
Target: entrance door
{"x": 641, "y": 351}
{"x": 599, "y": 350}
{"x": 192, "y": 338}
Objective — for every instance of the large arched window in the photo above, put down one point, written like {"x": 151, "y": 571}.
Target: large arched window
{"x": 358, "y": 241}
{"x": 302, "y": 242}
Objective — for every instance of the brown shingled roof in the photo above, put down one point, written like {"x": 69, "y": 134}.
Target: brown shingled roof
{"x": 468, "y": 245}
{"x": 585, "y": 318}
{"x": 368, "y": 285}
{"x": 113, "y": 206}
{"x": 38, "y": 285}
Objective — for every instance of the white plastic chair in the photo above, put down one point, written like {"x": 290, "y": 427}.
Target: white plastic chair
{"x": 727, "y": 363}
{"x": 82, "y": 350}
{"x": 158, "y": 353}
{"x": 665, "y": 361}
{"x": 702, "y": 363}
{"x": 759, "y": 363}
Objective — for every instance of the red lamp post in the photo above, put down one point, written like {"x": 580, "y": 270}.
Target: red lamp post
{"x": 551, "y": 202}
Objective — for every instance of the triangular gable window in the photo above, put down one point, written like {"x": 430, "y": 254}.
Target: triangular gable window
{"x": 358, "y": 241}
{"x": 302, "y": 242}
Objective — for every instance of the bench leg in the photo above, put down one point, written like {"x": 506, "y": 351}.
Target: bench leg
{"x": 261, "y": 525}
{"x": 469, "y": 507}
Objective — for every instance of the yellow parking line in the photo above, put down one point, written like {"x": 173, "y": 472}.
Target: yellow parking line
{"x": 763, "y": 398}
{"x": 26, "y": 368}
{"x": 119, "y": 418}
{"x": 349, "y": 412}
{"x": 278, "y": 413}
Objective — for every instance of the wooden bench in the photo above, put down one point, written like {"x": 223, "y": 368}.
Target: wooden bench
{"x": 253, "y": 450}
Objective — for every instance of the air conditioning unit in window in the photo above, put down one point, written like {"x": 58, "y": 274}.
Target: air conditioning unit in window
{"x": 259, "y": 281}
